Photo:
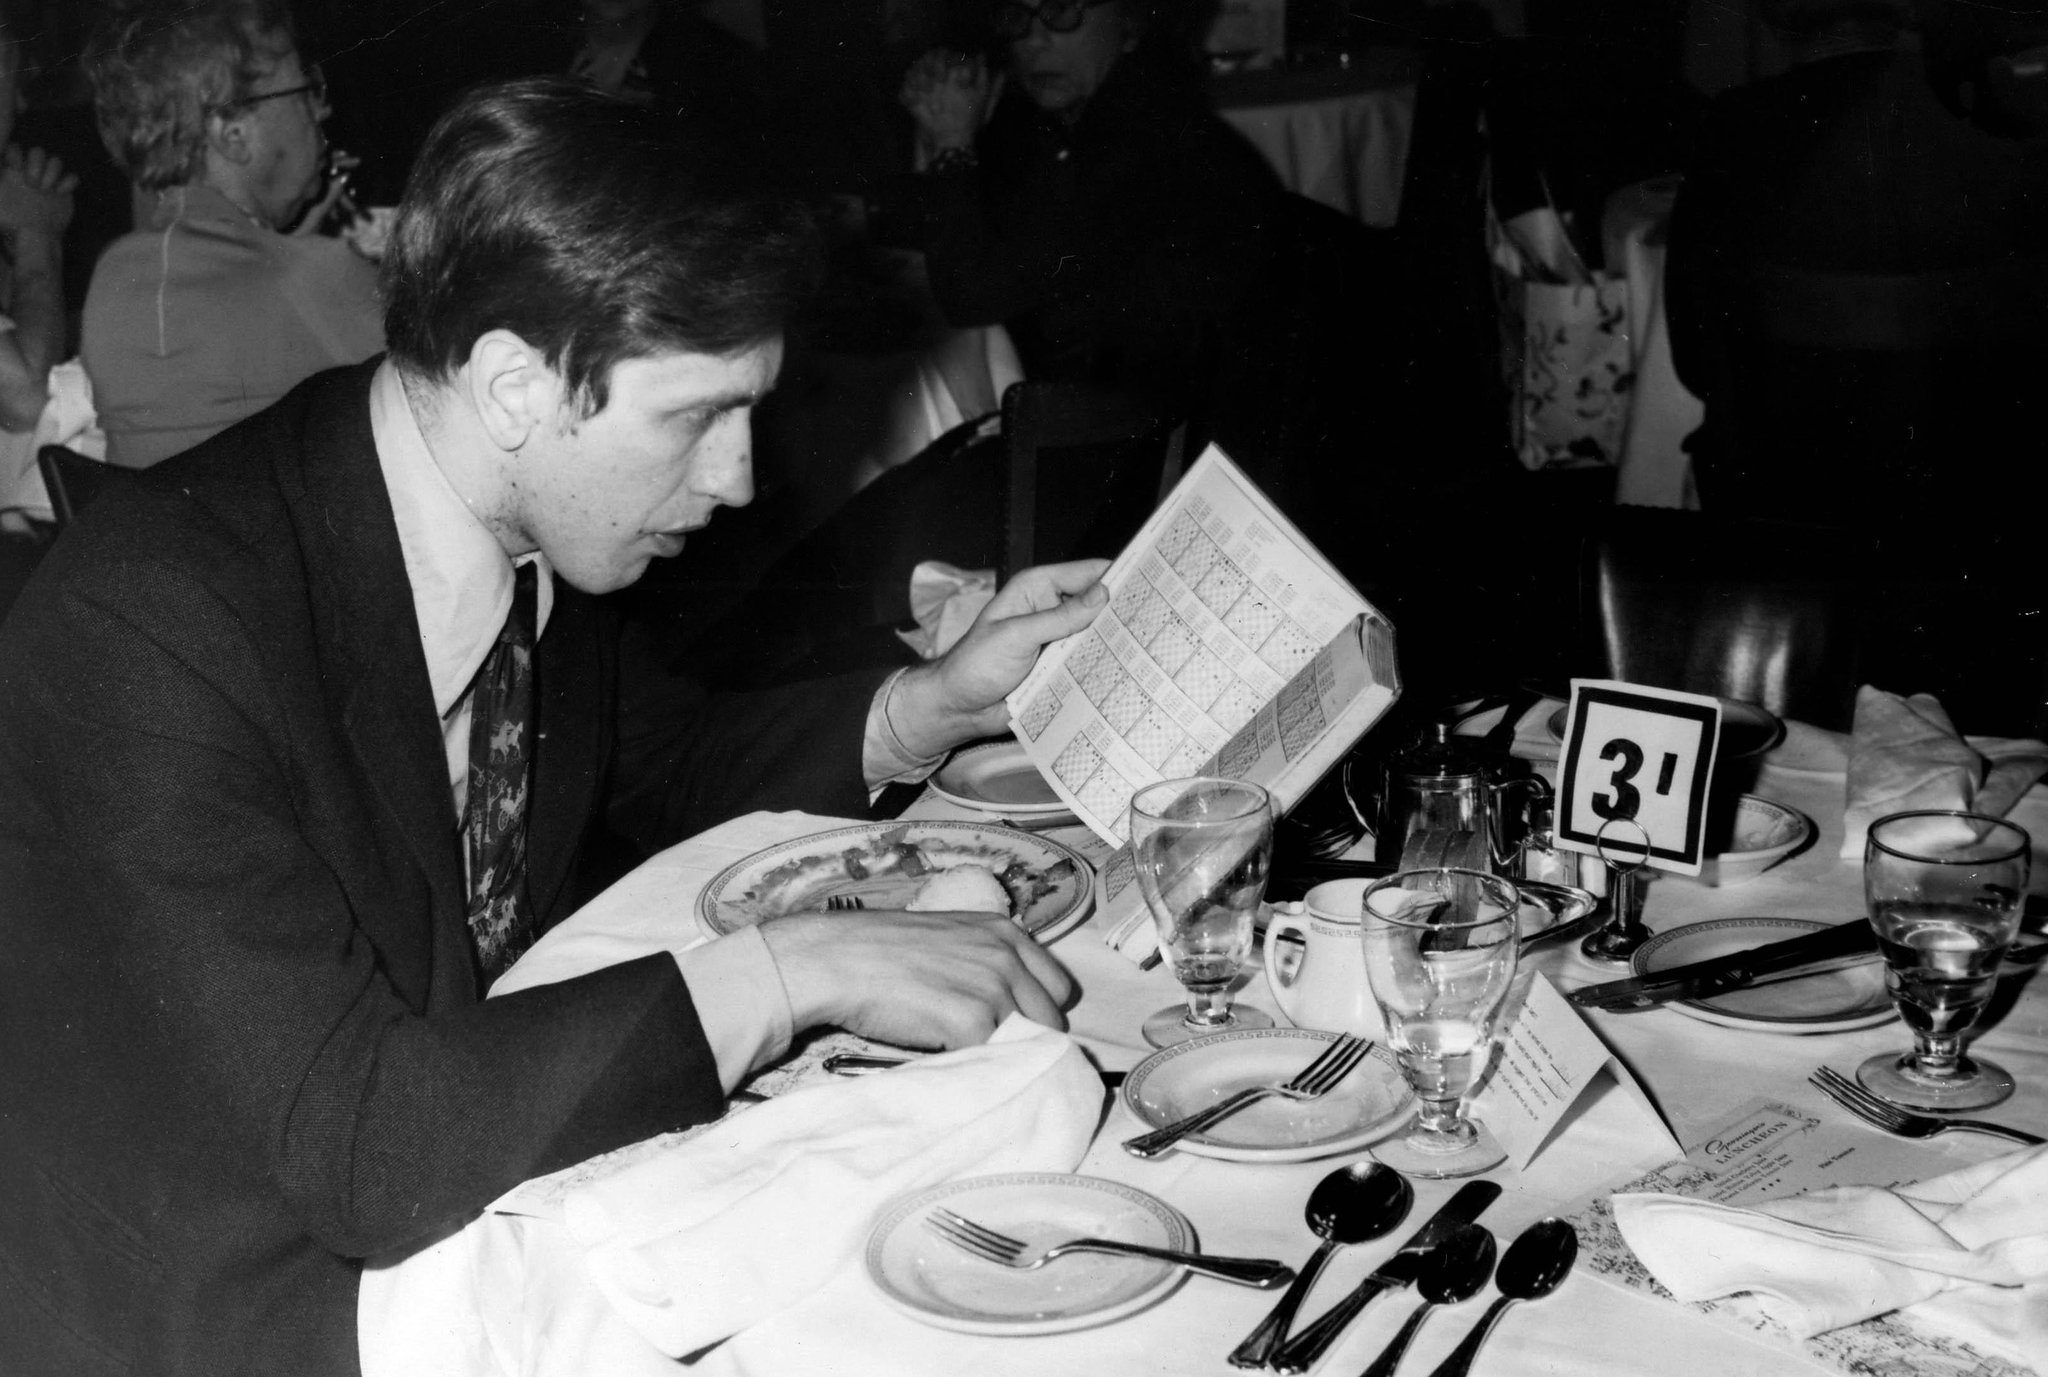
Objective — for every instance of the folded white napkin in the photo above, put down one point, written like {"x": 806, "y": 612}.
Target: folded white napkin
{"x": 68, "y": 419}
{"x": 1968, "y": 1252}
{"x": 945, "y": 600}
{"x": 1904, "y": 753}
{"x": 737, "y": 1223}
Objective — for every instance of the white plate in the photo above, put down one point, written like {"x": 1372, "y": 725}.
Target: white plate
{"x": 799, "y": 875}
{"x": 1747, "y": 730}
{"x": 997, "y": 777}
{"x": 1826, "y": 1002}
{"x": 1171, "y": 1084}
{"x": 931, "y": 1280}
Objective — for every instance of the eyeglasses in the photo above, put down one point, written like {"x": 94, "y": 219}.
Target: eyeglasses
{"x": 315, "y": 86}
{"x": 1013, "y": 20}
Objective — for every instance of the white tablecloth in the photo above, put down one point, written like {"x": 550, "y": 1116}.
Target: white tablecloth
{"x": 1698, "y": 1073}
{"x": 1349, "y": 151}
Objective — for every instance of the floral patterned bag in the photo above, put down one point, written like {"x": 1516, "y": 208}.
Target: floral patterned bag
{"x": 1565, "y": 353}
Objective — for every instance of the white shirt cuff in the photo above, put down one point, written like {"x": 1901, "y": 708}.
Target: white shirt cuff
{"x": 741, "y": 1003}
{"x": 884, "y": 759}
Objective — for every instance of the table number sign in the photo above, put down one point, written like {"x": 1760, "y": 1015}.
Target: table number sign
{"x": 1633, "y": 754}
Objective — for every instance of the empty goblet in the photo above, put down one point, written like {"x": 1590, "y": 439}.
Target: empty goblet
{"x": 1203, "y": 847}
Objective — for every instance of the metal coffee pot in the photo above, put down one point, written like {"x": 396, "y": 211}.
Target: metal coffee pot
{"x": 1444, "y": 800}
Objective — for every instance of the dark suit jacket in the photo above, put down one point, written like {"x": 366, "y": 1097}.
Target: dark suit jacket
{"x": 242, "y": 1044}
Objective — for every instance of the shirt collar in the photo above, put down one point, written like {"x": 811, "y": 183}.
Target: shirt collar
{"x": 460, "y": 576}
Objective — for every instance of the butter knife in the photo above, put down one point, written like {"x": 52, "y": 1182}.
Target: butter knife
{"x": 1300, "y": 1353}
{"x": 1720, "y": 974}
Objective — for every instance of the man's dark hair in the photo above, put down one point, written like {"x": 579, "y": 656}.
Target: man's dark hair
{"x": 595, "y": 230}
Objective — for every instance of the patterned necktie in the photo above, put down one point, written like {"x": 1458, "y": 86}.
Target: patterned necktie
{"x": 500, "y": 764}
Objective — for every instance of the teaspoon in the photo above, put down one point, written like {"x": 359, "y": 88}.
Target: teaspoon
{"x": 1454, "y": 1273}
{"x": 1350, "y": 1205}
{"x": 1534, "y": 1265}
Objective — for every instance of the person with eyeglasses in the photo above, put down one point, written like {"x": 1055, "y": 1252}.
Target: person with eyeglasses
{"x": 1088, "y": 198}
{"x": 227, "y": 295}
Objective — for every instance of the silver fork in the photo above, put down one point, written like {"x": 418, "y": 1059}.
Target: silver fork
{"x": 1314, "y": 1081}
{"x": 986, "y": 1243}
{"x": 843, "y": 903}
{"x": 1904, "y": 1123}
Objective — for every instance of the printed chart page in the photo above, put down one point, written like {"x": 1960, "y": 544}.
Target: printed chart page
{"x": 1213, "y": 608}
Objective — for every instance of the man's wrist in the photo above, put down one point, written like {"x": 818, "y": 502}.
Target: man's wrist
{"x": 915, "y": 718}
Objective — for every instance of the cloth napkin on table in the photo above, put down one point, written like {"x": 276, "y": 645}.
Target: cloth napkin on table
{"x": 1968, "y": 1252}
{"x": 735, "y": 1224}
{"x": 1904, "y": 753}
{"x": 945, "y": 600}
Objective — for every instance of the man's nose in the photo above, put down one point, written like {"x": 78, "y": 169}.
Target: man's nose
{"x": 731, "y": 480}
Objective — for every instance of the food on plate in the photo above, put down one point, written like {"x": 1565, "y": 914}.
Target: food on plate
{"x": 969, "y": 888}
{"x": 890, "y": 870}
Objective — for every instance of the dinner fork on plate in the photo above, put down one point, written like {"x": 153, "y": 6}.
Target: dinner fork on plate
{"x": 1005, "y": 1251}
{"x": 1312, "y": 1082}
{"x": 843, "y": 903}
{"x": 1904, "y": 1123}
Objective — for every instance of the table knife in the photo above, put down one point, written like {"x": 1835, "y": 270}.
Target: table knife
{"x": 1720, "y": 974}
{"x": 1300, "y": 1353}
{"x": 861, "y": 1064}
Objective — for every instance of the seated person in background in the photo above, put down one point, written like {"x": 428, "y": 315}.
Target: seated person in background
{"x": 35, "y": 207}
{"x": 306, "y": 733}
{"x": 1856, "y": 282}
{"x": 1093, "y": 203}
{"x": 228, "y": 298}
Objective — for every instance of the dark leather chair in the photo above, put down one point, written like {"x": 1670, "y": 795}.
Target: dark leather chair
{"x": 1766, "y": 613}
{"x": 1086, "y": 468}
{"x": 73, "y": 481}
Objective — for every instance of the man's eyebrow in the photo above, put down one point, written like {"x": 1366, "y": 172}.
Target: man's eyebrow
{"x": 729, "y": 401}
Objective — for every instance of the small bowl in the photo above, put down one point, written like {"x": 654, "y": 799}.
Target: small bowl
{"x": 1759, "y": 834}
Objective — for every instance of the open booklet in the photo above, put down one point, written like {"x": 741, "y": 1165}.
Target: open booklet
{"x": 1230, "y": 647}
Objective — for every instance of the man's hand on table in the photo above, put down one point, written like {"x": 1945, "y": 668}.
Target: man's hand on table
{"x": 959, "y": 697}
{"x": 915, "y": 979}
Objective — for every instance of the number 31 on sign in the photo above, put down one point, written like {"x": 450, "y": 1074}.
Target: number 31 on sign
{"x": 1641, "y": 755}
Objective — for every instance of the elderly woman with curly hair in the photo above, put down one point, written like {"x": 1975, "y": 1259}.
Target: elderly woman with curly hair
{"x": 227, "y": 298}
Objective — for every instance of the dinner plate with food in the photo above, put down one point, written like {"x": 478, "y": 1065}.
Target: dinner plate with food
{"x": 936, "y": 865}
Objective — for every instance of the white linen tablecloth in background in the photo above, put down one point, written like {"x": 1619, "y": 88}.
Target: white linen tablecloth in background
{"x": 1349, "y": 151}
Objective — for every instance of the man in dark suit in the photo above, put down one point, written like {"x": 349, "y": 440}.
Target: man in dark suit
{"x": 303, "y": 732}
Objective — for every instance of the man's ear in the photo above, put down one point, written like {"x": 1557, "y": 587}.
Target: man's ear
{"x": 513, "y": 390}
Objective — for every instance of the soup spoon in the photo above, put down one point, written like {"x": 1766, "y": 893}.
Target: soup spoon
{"x": 1350, "y": 1205}
{"x": 1534, "y": 1265}
{"x": 1454, "y": 1273}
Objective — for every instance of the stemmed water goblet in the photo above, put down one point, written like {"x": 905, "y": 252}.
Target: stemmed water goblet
{"x": 1944, "y": 891}
{"x": 1440, "y": 950}
{"x": 1203, "y": 847}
